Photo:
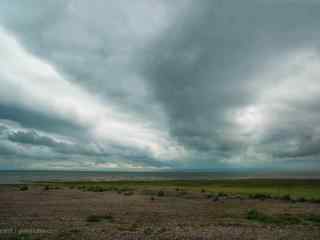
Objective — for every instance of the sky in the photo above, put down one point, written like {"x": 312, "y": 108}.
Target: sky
{"x": 141, "y": 85}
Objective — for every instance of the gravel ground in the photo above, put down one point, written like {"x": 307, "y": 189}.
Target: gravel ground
{"x": 63, "y": 214}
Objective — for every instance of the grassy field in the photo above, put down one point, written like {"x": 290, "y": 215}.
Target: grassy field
{"x": 290, "y": 189}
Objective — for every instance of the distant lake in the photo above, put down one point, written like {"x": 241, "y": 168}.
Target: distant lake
{"x": 15, "y": 177}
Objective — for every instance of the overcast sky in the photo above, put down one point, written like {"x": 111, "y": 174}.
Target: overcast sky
{"x": 160, "y": 84}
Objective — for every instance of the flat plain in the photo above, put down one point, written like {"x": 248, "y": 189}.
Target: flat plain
{"x": 215, "y": 209}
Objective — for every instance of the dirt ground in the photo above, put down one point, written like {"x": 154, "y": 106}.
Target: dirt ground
{"x": 70, "y": 214}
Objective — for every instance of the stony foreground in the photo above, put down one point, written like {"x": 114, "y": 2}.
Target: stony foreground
{"x": 40, "y": 213}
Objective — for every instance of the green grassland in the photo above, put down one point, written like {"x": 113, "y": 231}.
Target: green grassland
{"x": 264, "y": 188}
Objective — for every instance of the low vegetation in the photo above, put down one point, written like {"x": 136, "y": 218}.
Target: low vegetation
{"x": 255, "y": 215}
{"x": 20, "y": 237}
{"x": 50, "y": 187}
{"x": 313, "y": 219}
{"x": 286, "y": 190}
{"x": 100, "y": 218}
{"x": 258, "y": 216}
{"x": 160, "y": 193}
{"x": 24, "y": 188}
{"x": 129, "y": 193}
{"x": 261, "y": 196}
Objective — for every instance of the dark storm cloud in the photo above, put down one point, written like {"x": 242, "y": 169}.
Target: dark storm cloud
{"x": 297, "y": 146}
{"x": 202, "y": 66}
{"x": 219, "y": 83}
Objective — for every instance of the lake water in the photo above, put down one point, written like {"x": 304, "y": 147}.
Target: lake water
{"x": 15, "y": 177}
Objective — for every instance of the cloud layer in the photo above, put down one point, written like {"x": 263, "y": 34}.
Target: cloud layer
{"x": 159, "y": 85}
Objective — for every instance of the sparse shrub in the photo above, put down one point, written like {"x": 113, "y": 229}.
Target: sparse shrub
{"x": 74, "y": 230}
{"x": 160, "y": 193}
{"x": 182, "y": 193}
{"x": 203, "y": 190}
{"x": 177, "y": 189}
{"x": 132, "y": 228}
{"x": 82, "y": 188}
{"x": 147, "y": 231}
{"x": 99, "y": 218}
{"x": 293, "y": 200}
{"x": 209, "y": 195}
{"x": 152, "y": 198}
{"x": 313, "y": 218}
{"x": 252, "y": 214}
{"x": 22, "y": 236}
{"x": 128, "y": 193}
{"x": 255, "y": 215}
{"x": 315, "y": 200}
{"x": 252, "y": 196}
{"x": 215, "y": 198}
{"x": 288, "y": 219}
{"x": 162, "y": 230}
{"x": 96, "y": 188}
{"x": 222, "y": 194}
{"x": 286, "y": 197}
{"x": 260, "y": 196}
{"x": 50, "y": 187}
{"x": 238, "y": 197}
{"x": 24, "y": 188}
{"x": 122, "y": 190}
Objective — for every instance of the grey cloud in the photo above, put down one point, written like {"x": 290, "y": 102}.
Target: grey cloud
{"x": 298, "y": 147}
{"x": 184, "y": 67}
{"x": 6, "y": 150}
{"x": 27, "y": 145}
{"x": 38, "y": 120}
{"x": 94, "y": 50}
{"x": 31, "y": 138}
{"x": 202, "y": 67}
